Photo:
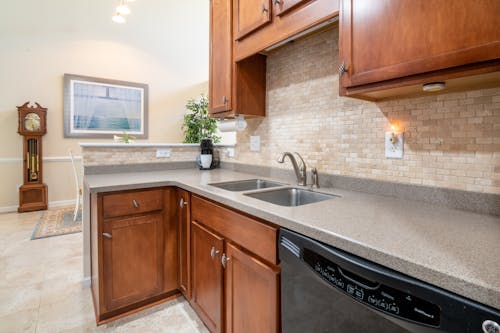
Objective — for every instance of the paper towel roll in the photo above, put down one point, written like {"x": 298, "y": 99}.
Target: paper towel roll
{"x": 232, "y": 125}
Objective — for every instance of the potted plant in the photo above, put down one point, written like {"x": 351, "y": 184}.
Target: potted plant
{"x": 197, "y": 123}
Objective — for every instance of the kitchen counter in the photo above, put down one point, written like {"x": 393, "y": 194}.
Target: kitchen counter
{"x": 456, "y": 250}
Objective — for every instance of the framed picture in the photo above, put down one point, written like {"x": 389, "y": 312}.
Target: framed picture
{"x": 101, "y": 108}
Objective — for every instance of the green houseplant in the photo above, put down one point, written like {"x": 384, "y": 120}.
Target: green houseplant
{"x": 197, "y": 123}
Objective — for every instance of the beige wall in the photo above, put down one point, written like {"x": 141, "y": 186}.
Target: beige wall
{"x": 451, "y": 140}
{"x": 163, "y": 44}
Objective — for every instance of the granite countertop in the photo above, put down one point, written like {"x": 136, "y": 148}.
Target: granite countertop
{"x": 456, "y": 250}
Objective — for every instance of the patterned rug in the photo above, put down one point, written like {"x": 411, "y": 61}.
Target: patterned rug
{"x": 56, "y": 222}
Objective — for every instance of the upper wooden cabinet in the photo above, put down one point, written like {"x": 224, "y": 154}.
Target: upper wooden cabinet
{"x": 281, "y": 7}
{"x": 287, "y": 18}
{"x": 221, "y": 60}
{"x": 234, "y": 87}
{"x": 250, "y": 15}
{"x": 387, "y": 40}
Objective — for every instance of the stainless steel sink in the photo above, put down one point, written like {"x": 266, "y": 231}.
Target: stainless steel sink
{"x": 246, "y": 185}
{"x": 291, "y": 196}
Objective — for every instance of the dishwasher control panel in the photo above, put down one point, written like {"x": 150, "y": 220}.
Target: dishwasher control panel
{"x": 373, "y": 294}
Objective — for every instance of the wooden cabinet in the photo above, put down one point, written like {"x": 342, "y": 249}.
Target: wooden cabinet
{"x": 132, "y": 259}
{"x": 251, "y": 293}
{"x": 234, "y": 87}
{"x": 221, "y": 60}
{"x": 250, "y": 15}
{"x": 134, "y": 250}
{"x": 288, "y": 18}
{"x": 281, "y": 7}
{"x": 207, "y": 276}
{"x": 235, "y": 256}
{"x": 184, "y": 241}
{"x": 387, "y": 40}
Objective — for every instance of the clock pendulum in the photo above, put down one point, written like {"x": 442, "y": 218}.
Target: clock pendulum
{"x": 32, "y": 126}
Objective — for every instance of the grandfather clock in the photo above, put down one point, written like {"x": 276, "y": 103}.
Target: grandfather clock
{"x": 32, "y": 126}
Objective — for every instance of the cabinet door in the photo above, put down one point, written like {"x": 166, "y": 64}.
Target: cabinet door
{"x": 250, "y": 15}
{"x": 207, "y": 276}
{"x": 132, "y": 260}
{"x": 388, "y": 39}
{"x": 221, "y": 59}
{"x": 251, "y": 293}
{"x": 281, "y": 7}
{"x": 184, "y": 243}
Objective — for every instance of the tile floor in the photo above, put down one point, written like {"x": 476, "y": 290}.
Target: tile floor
{"x": 41, "y": 290}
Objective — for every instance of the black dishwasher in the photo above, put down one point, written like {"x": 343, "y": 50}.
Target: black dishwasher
{"x": 324, "y": 289}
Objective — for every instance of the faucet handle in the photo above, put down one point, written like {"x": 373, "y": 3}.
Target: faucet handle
{"x": 315, "y": 180}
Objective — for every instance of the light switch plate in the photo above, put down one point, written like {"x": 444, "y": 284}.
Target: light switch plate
{"x": 162, "y": 153}
{"x": 394, "y": 149}
{"x": 255, "y": 143}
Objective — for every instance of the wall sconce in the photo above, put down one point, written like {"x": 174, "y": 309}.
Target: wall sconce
{"x": 394, "y": 141}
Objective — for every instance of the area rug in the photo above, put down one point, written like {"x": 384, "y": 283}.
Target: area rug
{"x": 56, "y": 222}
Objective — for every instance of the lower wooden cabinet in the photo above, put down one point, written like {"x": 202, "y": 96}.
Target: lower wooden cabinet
{"x": 251, "y": 293}
{"x": 132, "y": 260}
{"x": 207, "y": 276}
{"x": 184, "y": 240}
{"x": 234, "y": 289}
{"x": 134, "y": 256}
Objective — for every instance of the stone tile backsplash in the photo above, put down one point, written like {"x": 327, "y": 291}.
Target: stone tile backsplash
{"x": 452, "y": 140}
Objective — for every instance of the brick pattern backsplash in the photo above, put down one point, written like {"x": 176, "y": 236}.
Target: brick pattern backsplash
{"x": 93, "y": 156}
{"x": 452, "y": 140}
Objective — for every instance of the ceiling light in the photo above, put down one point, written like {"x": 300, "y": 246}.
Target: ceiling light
{"x": 118, "y": 18}
{"x": 433, "y": 86}
{"x": 123, "y": 10}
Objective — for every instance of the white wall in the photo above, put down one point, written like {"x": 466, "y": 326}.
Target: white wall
{"x": 164, "y": 44}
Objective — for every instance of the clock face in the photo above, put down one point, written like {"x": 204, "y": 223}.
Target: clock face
{"x": 32, "y": 122}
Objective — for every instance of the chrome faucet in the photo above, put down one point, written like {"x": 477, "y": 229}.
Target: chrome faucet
{"x": 300, "y": 171}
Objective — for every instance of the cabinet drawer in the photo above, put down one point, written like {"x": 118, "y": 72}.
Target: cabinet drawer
{"x": 249, "y": 233}
{"x": 128, "y": 203}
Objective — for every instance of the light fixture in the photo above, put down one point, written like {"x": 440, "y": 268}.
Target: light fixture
{"x": 118, "y": 18}
{"x": 121, "y": 10}
{"x": 433, "y": 86}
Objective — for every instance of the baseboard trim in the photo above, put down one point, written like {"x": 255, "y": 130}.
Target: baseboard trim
{"x": 59, "y": 203}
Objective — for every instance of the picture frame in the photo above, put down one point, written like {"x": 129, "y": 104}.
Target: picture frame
{"x": 101, "y": 108}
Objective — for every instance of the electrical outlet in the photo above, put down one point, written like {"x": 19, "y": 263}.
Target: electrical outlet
{"x": 230, "y": 152}
{"x": 255, "y": 143}
{"x": 394, "y": 145}
{"x": 162, "y": 153}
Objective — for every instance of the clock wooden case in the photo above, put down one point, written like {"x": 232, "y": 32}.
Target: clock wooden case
{"x": 32, "y": 126}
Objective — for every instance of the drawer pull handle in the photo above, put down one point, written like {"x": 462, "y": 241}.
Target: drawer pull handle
{"x": 224, "y": 260}
{"x": 182, "y": 203}
{"x": 136, "y": 204}
{"x": 213, "y": 252}
{"x": 106, "y": 235}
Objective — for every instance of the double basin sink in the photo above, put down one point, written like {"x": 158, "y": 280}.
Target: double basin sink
{"x": 283, "y": 196}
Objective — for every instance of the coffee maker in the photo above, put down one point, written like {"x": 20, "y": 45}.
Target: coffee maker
{"x": 209, "y": 157}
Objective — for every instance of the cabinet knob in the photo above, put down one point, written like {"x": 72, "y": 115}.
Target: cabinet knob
{"x": 213, "y": 252}
{"x": 264, "y": 8}
{"x": 136, "y": 204}
{"x": 106, "y": 235}
{"x": 182, "y": 203}
{"x": 224, "y": 260}
{"x": 342, "y": 69}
